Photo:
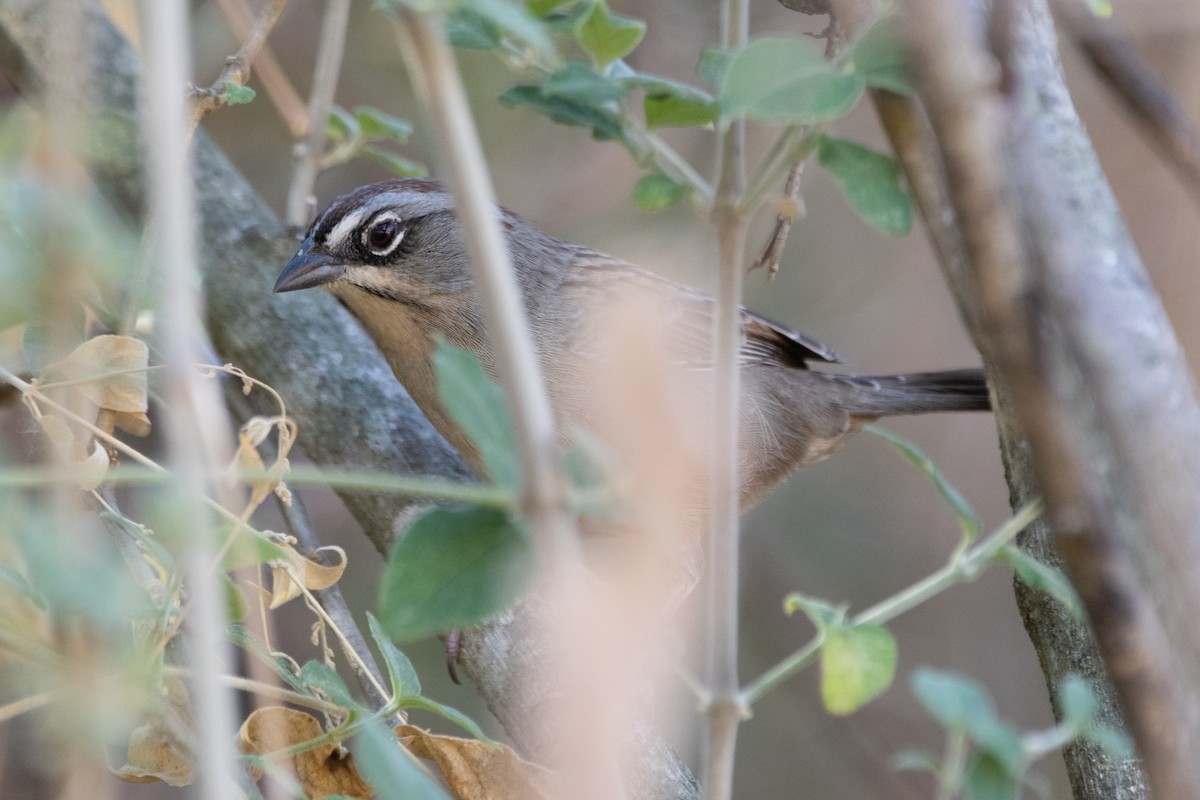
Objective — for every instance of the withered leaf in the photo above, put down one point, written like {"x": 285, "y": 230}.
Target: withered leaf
{"x": 288, "y": 576}
{"x": 476, "y": 770}
{"x": 323, "y": 771}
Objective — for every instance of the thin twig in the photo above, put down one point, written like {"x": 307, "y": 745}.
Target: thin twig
{"x": 435, "y": 75}
{"x": 300, "y": 199}
{"x": 725, "y": 709}
{"x": 1145, "y": 96}
{"x": 279, "y": 90}
{"x": 772, "y": 252}
{"x": 237, "y": 67}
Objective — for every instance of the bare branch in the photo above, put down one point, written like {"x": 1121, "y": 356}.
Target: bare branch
{"x": 279, "y": 90}
{"x": 237, "y": 67}
{"x": 300, "y": 199}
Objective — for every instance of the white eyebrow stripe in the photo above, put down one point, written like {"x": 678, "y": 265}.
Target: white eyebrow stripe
{"x": 344, "y": 228}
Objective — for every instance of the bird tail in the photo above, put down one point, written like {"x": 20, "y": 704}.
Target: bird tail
{"x": 919, "y": 393}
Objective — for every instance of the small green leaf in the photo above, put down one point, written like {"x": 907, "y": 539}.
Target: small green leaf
{"x": 565, "y": 111}
{"x": 397, "y": 165}
{"x": 822, "y": 613}
{"x": 403, "y": 677}
{"x": 787, "y": 81}
{"x": 1116, "y": 743}
{"x": 453, "y": 568}
{"x": 607, "y": 36}
{"x": 1077, "y": 702}
{"x": 968, "y": 520}
{"x": 319, "y": 675}
{"x": 657, "y": 191}
{"x": 376, "y": 125}
{"x": 879, "y": 58}
{"x": 963, "y": 705}
{"x": 1101, "y": 8}
{"x": 540, "y": 8}
{"x": 988, "y": 778}
{"x": 236, "y": 94}
{"x": 858, "y": 662}
{"x": 341, "y": 125}
{"x": 516, "y": 20}
{"x": 871, "y": 182}
{"x": 235, "y": 603}
{"x": 1043, "y": 578}
{"x": 389, "y": 768}
{"x": 248, "y": 549}
{"x": 479, "y": 406}
{"x": 713, "y": 64}
{"x": 471, "y": 30}
{"x": 672, "y": 111}
{"x": 446, "y": 712}
{"x": 578, "y": 81}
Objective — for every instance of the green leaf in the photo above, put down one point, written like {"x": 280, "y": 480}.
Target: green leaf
{"x": 341, "y": 125}
{"x": 234, "y": 602}
{"x": 870, "y": 181}
{"x": 446, "y": 712}
{"x": 1043, "y": 578}
{"x": 396, "y": 164}
{"x": 787, "y": 81}
{"x": 236, "y": 94}
{"x": 607, "y": 36}
{"x": 822, "y": 613}
{"x": 713, "y": 64}
{"x": 1077, "y": 702}
{"x": 578, "y": 81}
{"x": 516, "y": 20}
{"x": 565, "y": 111}
{"x": 319, "y": 675}
{"x": 540, "y": 8}
{"x": 968, "y": 520}
{"x": 989, "y": 779}
{"x": 858, "y": 662}
{"x": 453, "y": 568}
{"x": 403, "y": 677}
{"x": 248, "y": 549}
{"x": 963, "y": 705}
{"x": 672, "y": 111}
{"x": 389, "y": 768}
{"x": 376, "y": 125}
{"x": 479, "y": 406}
{"x": 1116, "y": 743}
{"x": 657, "y": 191}
{"x": 879, "y": 58}
{"x": 471, "y": 30}
{"x": 1101, "y": 8}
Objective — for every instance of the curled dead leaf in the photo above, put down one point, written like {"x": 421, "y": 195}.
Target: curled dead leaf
{"x": 297, "y": 571}
{"x": 155, "y": 753}
{"x": 322, "y": 772}
{"x": 110, "y": 371}
{"x": 87, "y": 459}
{"x": 476, "y": 770}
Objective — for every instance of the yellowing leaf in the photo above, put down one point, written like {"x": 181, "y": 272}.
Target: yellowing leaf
{"x": 133, "y": 423}
{"x": 322, "y": 771}
{"x": 296, "y": 571}
{"x": 476, "y": 770}
{"x": 110, "y": 371}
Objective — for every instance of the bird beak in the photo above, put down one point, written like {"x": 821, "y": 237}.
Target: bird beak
{"x": 308, "y": 269}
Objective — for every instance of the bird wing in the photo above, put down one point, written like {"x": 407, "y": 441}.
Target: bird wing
{"x": 687, "y": 315}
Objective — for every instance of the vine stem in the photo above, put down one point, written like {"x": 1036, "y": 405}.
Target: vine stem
{"x": 964, "y": 565}
{"x": 725, "y": 708}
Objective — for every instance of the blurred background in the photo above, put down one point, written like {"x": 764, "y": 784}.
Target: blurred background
{"x": 852, "y": 529}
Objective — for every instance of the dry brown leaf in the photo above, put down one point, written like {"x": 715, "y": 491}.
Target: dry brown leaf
{"x": 112, "y": 372}
{"x": 288, "y": 576}
{"x": 322, "y": 771}
{"x": 248, "y": 458}
{"x": 154, "y": 755}
{"x": 134, "y": 423}
{"x": 476, "y": 770}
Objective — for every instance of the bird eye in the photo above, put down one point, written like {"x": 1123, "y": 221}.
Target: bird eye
{"x": 382, "y": 237}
